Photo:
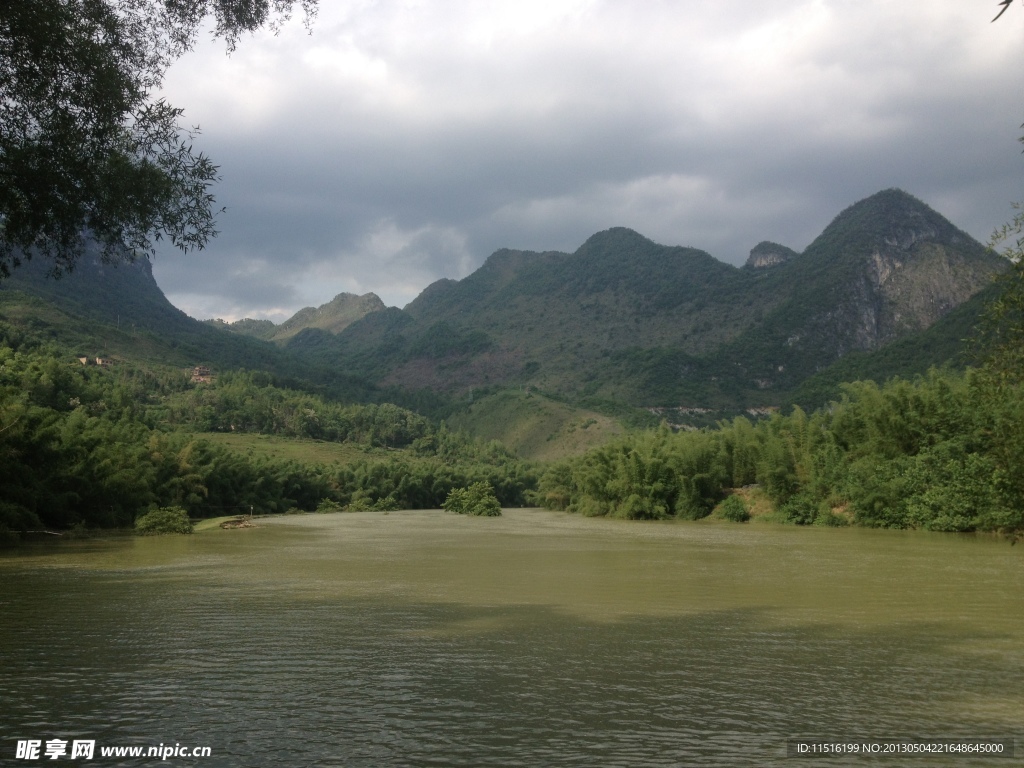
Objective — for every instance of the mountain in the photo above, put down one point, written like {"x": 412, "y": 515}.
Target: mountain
{"x": 118, "y": 310}
{"x": 943, "y": 343}
{"x": 885, "y": 289}
{"x": 886, "y": 268}
{"x": 122, "y": 295}
{"x": 768, "y": 254}
{"x": 332, "y": 317}
{"x": 628, "y": 320}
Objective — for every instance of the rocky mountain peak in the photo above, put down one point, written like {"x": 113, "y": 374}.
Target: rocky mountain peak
{"x": 768, "y": 254}
{"x": 333, "y": 317}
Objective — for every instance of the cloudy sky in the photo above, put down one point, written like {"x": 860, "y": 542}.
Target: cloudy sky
{"x": 406, "y": 140}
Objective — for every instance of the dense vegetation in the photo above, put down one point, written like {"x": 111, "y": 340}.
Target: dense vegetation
{"x": 478, "y": 500}
{"x": 940, "y": 453}
{"x": 249, "y": 402}
{"x": 87, "y": 445}
{"x": 629, "y": 321}
{"x": 84, "y": 445}
{"x": 164, "y": 520}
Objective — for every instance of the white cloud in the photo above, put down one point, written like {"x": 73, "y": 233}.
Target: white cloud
{"x": 392, "y": 262}
{"x": 405, "y": 140}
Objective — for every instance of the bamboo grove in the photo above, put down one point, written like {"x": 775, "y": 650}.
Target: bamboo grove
{"x": 93, "y": 447}
{"x": 941, "y": 453}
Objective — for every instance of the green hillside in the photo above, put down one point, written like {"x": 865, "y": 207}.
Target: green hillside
{"x": 623, "y": 324}
{"x": 332, "y": 317}
{"x": 626, "y": 320}
{"x": 118, "y": 311}
{"x": 534, "y": 426}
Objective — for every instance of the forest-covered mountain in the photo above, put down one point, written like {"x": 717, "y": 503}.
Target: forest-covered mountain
{"x": 118, "y": 311}
{"x": 889, "y": 287}
{"x": 626, "y": 319}
{"x": 884, "y": 290}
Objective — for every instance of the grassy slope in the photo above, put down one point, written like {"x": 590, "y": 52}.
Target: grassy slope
{"x": 534, "y": 426}
{"x": 86, "y": 336}
{"x": 297, "y": 449}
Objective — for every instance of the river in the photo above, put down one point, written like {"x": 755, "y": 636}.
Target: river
{"x": 533, "y": 639}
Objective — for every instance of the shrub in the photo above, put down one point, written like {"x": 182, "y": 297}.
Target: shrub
{"x": 363, "y": 502}
{"x": 734, "y": 509}
{"x": 387, "y": 504}
{"x": 477, "y": 499}
{"x": 800, "y": 509}
{"x": 14, "y": 517}
{"x": 164, "y": 520}
{"x": 829, "y": 519}
{"x": 954, "y": 489}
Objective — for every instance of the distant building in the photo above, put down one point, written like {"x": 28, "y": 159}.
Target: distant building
{"x": 104, "y": 362}
{"x": 202, "y": 375}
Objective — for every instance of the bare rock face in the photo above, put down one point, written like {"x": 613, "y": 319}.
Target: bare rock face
{"x": 922, "y": 287}
{"x": 768, "y": 254}
{"x": 917, "y": 271}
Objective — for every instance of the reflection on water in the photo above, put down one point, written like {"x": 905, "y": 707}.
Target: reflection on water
{"x": 419, "y": 638}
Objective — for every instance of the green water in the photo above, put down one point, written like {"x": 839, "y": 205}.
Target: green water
{"x": 537, "y": 638}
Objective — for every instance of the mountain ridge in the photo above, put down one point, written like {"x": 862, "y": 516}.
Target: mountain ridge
{"x": 118, "y": 310}
{"x": 620, "y": 320}
{"x": 625, "y": 318}
{"x": 333, "y": 317}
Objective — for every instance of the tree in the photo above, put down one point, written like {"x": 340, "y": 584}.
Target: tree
{"x": 478, "y": 499}
{"x": 86, "y": 151}
{"x": 164, "y": 520}
{"x": 1002, "y": 328}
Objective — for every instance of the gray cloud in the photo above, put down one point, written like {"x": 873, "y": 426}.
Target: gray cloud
{"x": 403, "y": 142}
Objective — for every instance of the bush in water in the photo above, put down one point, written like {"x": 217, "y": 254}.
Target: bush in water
{"x": 477, "y": 499}
{"x": 164, "y": 520}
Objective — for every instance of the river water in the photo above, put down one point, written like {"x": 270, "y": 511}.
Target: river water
{"x": 533, "y": 639}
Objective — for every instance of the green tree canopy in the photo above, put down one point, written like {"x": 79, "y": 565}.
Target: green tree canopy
{"x": 86, "y": 151}
{"x": 1002, "y": 329}
{"x": 478, "y": 499}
